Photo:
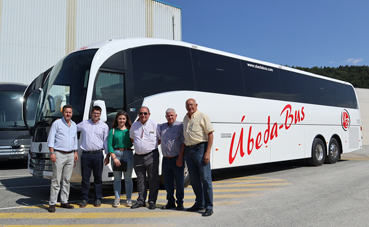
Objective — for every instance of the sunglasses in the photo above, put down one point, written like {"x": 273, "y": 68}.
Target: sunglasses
{"x": 143, "y": 113}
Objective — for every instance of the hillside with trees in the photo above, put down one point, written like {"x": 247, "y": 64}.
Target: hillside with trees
{"x": 356, "y": 75}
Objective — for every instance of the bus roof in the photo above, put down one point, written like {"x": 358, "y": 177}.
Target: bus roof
{"x": 112, "y": 46}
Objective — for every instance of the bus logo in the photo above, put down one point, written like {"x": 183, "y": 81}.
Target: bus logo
{"x": 345, "y": 117}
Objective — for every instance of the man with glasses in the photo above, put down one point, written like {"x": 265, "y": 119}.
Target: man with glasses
{"x": 146, "y": 158}
{"x": 198, "y": 134}
{"x": 94, "y": 140}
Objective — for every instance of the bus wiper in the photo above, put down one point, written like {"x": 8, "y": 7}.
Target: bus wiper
{"x": 43, "y": 119}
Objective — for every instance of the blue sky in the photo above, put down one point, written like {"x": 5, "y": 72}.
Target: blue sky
{"x": 288, "y": 32}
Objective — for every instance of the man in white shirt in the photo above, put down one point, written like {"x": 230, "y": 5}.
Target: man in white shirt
{"x": 94, "y": 140}
{"x": 146, "y": 159}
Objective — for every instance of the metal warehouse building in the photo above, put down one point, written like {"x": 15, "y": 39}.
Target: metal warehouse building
{"x": 35, "y": 34}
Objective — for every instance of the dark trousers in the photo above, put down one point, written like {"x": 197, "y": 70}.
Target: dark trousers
{"x": 200, "y": 175}
{"x": 92, "y": 163}
{"x": 171, "y": 173}
{"x": 149, "y": 164}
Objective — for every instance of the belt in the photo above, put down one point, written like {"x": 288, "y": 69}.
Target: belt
{"x": 146, "y": 153}
{"x": 65, "y": 152}
{"x": 92, "y": 152}
{"x": 171, "y": 157}
{"x": 123, "y": 149}
{"x": 192, "y": 146}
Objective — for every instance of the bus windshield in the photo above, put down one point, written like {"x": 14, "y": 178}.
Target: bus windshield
{"x": 66, "y": 84}
{"x": 11, "y": 109}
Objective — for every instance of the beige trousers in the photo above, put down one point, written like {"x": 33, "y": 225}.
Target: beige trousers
{"x": 62, "y": 172}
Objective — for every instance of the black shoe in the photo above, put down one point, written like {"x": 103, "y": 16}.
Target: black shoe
{"x": 180, "y": 207}
{"x": 168, "y": 206}
{"x": 195, "y": 208}
{"x": 83, "y": 204}
{"x": 207, "y": 212}
{"x": 137, "y": 205}
{"x": 51, "y": 209}
{"x": 67, "y": 205}
{"x": 152, "y": 206}
{"x": 97, "y": 203}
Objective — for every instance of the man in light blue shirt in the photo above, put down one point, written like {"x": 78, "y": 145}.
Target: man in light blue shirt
{"x": 94, "y": 139}
{"x": 62, "y": 143}
{"x": 170, "y": 136}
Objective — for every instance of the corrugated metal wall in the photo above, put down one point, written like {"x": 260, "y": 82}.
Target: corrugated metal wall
{"x": 35, "y": 34}
{"x": 166, "y": 19}
{"x": 32, "y": 38}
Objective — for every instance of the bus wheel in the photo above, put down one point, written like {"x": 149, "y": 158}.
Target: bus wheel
{"x": 186, "y": 180}
{"x": 334, "y": 152}
{"x": 317, "y": 153}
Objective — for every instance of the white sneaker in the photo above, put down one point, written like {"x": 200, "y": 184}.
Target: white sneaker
{"x": 129, "y": 203}
{"x": 116, "y": 202}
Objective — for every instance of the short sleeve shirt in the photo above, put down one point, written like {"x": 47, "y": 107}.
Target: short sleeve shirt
{"x": 144, "y": 136}
{"x": 196, "y": 128}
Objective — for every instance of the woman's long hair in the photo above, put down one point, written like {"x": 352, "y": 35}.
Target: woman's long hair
{"x": 128, "y": 121}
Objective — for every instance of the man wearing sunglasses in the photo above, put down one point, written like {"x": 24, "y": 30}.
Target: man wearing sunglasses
{"x": 146, "y": 158}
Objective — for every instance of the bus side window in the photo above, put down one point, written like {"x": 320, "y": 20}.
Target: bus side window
{"x": 217, "y": 73}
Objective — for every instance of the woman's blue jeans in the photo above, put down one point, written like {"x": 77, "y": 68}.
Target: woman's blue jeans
{"x": 123, "y": 156}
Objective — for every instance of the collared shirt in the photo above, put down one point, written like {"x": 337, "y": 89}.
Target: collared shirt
{"x": 171, "y": 136}
{"x": 62, "y": 137}
{"x": 144, "y": 136}
{"x": 95, "y": 136}
{"x": 196, "y": 129}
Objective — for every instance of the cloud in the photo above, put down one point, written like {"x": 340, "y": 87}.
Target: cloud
{"x": 354, "y": 61}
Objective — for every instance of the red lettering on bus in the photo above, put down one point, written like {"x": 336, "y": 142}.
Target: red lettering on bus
{"x": 250, "y": 140}
{"x": 269, "y": 134}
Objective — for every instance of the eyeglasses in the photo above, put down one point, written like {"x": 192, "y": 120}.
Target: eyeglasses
{"x": 143, "y": 113}
{"x": 96, "y": 113}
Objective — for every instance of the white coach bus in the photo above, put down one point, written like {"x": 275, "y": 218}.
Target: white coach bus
{"x": 261, "y": 112}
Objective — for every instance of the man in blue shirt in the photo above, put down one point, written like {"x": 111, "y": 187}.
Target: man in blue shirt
{"x": 62, "y": 143}
{"x": 170, "y": 136}
{"x": 94, "y": 140}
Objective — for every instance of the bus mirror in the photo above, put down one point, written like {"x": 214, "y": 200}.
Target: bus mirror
{"x": 51, "y": 103}
{"x": 102, "y": 105}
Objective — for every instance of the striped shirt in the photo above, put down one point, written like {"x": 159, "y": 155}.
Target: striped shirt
{"x": 95, "y": 136}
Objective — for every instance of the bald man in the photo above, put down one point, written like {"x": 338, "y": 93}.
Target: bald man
{"x": 198, "y": 138}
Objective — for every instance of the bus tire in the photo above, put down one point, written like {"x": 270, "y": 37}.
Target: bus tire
{"x": 186, "y": 180}
{"x": 317, "y": 153}
{"x": 334, "y": 152}
{"x": 186, "y": 177}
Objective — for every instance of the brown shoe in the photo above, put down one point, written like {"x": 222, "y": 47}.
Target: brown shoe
{"x": 51, "y": 209}
{"x": 67, "y": 205}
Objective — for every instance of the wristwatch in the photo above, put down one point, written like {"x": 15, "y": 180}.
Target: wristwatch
{"x": 52, "y": 153}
